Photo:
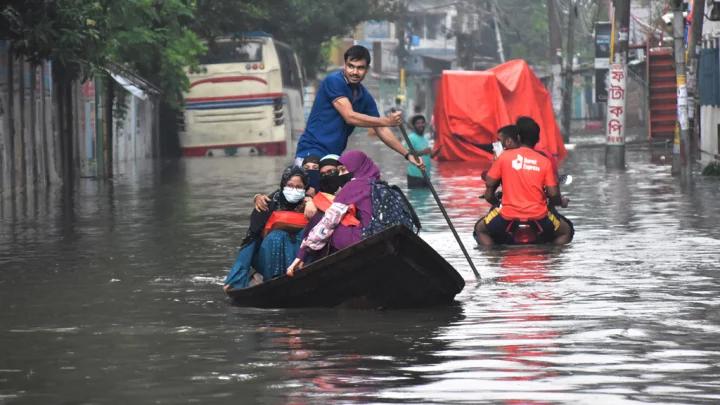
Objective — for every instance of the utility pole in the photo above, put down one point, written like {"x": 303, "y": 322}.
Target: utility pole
{"x": 681, "y": 148}
{"x": 498, "y": 36}
{"x": 555, "y": 57}
{"x": 617, "y": 74}
{"x": 568, "y": 79}
{"x": 692, "y": 73}
{"x": 402, "y": 48}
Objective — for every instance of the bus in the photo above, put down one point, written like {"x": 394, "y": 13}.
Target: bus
{"x": 246, "y": 98}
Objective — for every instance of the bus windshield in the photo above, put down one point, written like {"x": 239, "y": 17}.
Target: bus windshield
{"x": 233, "y": 52}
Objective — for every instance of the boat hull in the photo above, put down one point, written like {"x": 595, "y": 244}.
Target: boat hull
{"x": 392, "y": 269}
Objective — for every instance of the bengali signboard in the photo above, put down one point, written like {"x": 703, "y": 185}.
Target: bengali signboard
{"x": 616, "y": 104}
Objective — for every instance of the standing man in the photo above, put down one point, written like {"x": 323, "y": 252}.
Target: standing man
{"x": 421, "y": 146}
{"x": 343, "y": 103}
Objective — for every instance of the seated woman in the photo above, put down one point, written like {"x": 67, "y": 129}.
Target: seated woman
{"x": 330, "y": 182}
{"x": 328, "y": 165}
{"x": 272, "y": 241}
{"x": 330, "y": 233}
{"x": 311, "y": 167}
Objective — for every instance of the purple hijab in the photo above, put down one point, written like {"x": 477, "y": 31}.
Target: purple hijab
{"x": 357, "y": 191}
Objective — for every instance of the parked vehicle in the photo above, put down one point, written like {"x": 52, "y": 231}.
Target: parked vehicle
{"x": 245, "y": 98}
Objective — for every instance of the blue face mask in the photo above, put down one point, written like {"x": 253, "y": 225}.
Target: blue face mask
{"x": 293, "y": 195}
{"x": 313, "y": 178}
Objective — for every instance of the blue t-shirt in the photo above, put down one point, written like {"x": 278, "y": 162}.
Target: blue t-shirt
{"x": 326, "y": 131}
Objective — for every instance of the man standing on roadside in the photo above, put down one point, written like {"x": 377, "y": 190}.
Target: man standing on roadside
{"x": 343, "y": 103}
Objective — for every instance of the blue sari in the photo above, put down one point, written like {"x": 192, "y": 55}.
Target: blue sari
{"x": 270, "y": 257}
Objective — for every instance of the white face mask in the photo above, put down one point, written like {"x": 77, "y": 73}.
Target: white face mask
{"x": 293, "y": 195}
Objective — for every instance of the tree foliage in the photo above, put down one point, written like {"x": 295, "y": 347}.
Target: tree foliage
{"x": 524, "y": 26}
{"x": 150, "y": 37}
{"x": 159, "y": 38}
{"x": 304, "y": 24}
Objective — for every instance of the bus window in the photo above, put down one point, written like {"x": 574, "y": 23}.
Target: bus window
{"x": 233, "y": 52}
{"x": 288, "y": 66}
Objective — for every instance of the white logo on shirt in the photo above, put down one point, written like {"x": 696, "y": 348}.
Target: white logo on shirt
{"x": 523, "y": 163}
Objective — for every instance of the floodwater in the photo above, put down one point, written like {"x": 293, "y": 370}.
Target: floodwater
{"x": 114, "y": 297}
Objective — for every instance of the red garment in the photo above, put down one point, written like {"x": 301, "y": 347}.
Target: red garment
{"x": 553, "y": 160}
{"x": 323, "y": 201}
{"x": 287, "y": 220}
{"x": 524, "y": 174}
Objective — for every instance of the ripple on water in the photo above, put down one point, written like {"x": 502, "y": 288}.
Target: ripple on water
{"x": 129, "y": 275}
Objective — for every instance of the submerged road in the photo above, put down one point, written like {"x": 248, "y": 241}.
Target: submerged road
{"x": 114, "y": 297}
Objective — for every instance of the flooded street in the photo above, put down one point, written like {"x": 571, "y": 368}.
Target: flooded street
{"x": 115, "y": 297}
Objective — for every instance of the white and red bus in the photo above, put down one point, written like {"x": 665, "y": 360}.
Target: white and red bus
{"x": 246, "y": 98}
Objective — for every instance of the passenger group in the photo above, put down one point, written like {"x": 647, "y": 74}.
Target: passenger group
{"x": 324, "y": 201}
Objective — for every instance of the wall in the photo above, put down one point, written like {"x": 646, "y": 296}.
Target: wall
{"x": 51, "y": 134}
{"x": 29, "y": 137}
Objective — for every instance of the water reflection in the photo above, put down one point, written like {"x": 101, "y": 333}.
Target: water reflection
{"x": 112, "y": 295}
{"x": 460, "y": 186}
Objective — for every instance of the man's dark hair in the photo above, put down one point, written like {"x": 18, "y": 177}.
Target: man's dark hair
{"x": 417, "y": 117}
{"x": 529, "y": 131}
{"x": 510, "y": 131}
{"x": 311, "y": 159}
{"x": 357, "y": 52}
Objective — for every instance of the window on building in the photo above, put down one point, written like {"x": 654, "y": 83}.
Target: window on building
{"x": 433, "y": 23}
{"x": 417, "y": 25}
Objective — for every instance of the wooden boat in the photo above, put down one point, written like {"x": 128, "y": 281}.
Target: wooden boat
{"x": 392, "y": 269}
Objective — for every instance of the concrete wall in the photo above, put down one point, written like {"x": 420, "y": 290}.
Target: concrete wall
{"x": 131, "y": 128}
{"x": 48, "y": 139}
{"x": 29, "y": 137}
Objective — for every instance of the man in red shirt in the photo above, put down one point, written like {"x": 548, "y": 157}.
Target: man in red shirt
{"x": 528, "y": 180}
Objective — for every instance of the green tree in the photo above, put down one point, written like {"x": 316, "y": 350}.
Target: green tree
{"x": 81, "y": 37}
{"x": 304, "y": 24}
{"x": 153, "y": 38}
{"x": 64, "y": 31}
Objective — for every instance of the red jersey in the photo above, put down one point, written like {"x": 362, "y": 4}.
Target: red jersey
{"x": 524, "y": 174}
{"x": 549, "y": 155}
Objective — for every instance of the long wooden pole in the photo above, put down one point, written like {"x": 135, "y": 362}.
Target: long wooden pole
{"x": 439, "y": 203}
